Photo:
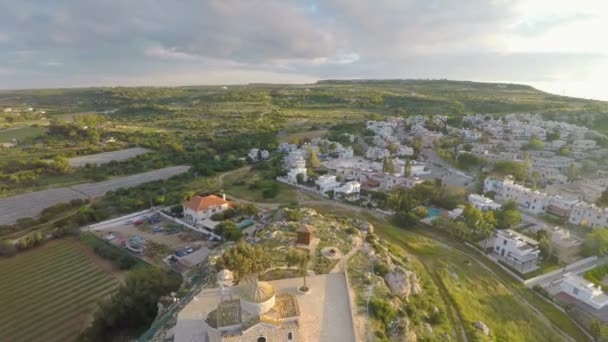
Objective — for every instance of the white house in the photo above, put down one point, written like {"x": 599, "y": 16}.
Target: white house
{"x": 198, "y": 209}
{"x": 517, "y": 250}
{"x": 588, "y": 215}
{"x": 584, "y": 144}
{"x": 375, "y": 153}
{"x": 298, "y": 166}
{"x": 560, "y": 206}
{"x": 507, "y": 190}
{"x": 349, "y": 191}
{"x": 326, "y": 183}
{"x": 483, "y": 203}
{"x": 255, "y": 154}
{"x": 584, "y": 291}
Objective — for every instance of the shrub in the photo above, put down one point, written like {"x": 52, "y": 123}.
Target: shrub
{"x": 382, "y": 310}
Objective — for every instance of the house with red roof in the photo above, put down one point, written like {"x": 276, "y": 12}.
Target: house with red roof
{"x": 198, "y": 208}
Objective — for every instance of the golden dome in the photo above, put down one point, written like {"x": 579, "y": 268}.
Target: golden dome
{"x": 256, "y": 291}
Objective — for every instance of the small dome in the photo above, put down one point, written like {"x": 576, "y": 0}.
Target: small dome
{"x": 256, "y": 291}
{"x": 225, "y": 275}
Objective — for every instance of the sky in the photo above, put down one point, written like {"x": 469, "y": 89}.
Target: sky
{"x": 555, "y": 45}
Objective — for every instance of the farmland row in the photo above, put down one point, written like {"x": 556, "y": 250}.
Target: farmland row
{"x": 75, "y": 261}
{"x": 55, "y": 288}
{"x": 60, "y": 312}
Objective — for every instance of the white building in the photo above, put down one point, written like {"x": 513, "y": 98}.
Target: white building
{"x": 483, "y": 203}
{"x": 517, "y": 250}
{"x": 403, "y": 150}
{"x": 198, "y": 209}
{"x": 255, "y": 154}
{"x": 375, "y": 153}
{"x": 286, "y": 148}
{"x": 298, "y": 166}
{"x": 560, "y": 206}
{"x": 589, "y": 215}
{"x": 326, "y": 183}
{"x": 349, "y": 191}
{"x": 583, "y": 145}
{"x": 470, "y": 135}
{"x": 557, "y": 162}
{"x": 584, "y": 291}
{"x": 507, "y": 190}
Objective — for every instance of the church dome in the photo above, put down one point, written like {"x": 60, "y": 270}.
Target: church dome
{"x": 255, "y": 291}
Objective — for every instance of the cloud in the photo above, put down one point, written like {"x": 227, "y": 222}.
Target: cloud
{"x": 162, "y": 42}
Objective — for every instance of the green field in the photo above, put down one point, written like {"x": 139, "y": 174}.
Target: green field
{"x": 22, "y": 133}
{"x": 480, "y": 292}
{"x": 49, "y": 293}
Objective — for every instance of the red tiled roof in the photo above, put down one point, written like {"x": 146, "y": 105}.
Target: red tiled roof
{"x": 198, "y": 203}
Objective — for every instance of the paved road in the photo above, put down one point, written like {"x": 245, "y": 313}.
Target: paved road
{"x": 549, "y": 281}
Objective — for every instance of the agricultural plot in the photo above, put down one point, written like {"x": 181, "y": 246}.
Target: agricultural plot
{"x": 49, "y": 293}
{"x": 101, "y": 188}
{"x": 33, "y": 203}
{"x": 106, "y": 157}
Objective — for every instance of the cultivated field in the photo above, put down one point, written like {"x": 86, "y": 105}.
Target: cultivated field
{"x": 106, "y": 157}
{"x": 20, "y": 133}
{"x": 49, "y": 293}
{"x": 33, "y": 203}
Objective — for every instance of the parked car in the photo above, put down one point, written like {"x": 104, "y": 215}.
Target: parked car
{"x": 158, "y": 229}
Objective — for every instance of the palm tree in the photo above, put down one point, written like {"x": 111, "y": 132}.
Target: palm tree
{"x": 303, "y": 268}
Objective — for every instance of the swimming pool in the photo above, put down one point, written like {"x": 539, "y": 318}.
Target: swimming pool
{"x": 432, "y": 212}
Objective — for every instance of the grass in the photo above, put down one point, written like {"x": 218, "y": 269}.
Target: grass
{"x": 242, "y": 184}
{"x": 21, "y": 133}
{"x": 596, "y": 275}
{"x": 302, "y": 135}
{"x": 483, "y": 292}
{"x": 48, "y": 293}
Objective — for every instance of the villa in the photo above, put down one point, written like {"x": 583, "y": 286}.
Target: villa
{"x": 516, "y": 250}
{"x": 198, "y": 208}
{"x": 584, "y": 291}
{"x": 483, "y": 203}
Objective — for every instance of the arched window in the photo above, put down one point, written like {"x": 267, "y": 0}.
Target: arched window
{"x": 262, "y": 339}
{"x": 290, "y": 336}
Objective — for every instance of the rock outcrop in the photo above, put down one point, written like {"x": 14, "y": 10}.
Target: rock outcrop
{"x": 479, "y": 325}
{"x": 402, "y": 282}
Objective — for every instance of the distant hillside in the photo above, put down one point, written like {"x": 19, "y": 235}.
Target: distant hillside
{"x": 349, "y": 98}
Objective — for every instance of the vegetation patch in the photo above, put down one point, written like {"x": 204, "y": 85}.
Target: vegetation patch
{"x": 49, "y": 293}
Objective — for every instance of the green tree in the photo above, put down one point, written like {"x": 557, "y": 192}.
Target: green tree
{"x": 229, "y": 231}
{"x": 7, "y": 248}
{"x": 388, "y": 166}
{"x": 392, "y": 147}
{"x": 598, "y": 330}
{"x": 472, "y": 216}
{"x": 407, "y": 170}
{"x": 602, "y": 201}
{"x": 292, "y": 258}
{"x": 313, "y": 161}
{"x": 60, "y": 165}
{"x": 507, "y": 218}
{"x": 572, "y": 173}
{"x": 596, "y": 242}
{"x": 553, "y": 135}
{"x": 563, "y": 151}
{"x": 534, "y": 144}
{"x": 134, "y": 306}
{"x": 244, "y": 260}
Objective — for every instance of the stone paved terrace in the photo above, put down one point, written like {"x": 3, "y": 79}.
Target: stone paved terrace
{"x": 325, "y": 314}
{"x": 33, "y": 203}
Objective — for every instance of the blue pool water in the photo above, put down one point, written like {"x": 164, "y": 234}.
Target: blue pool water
{"x": 432, "y": 212}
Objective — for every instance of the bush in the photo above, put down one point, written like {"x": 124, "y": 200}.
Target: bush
{"x": 293, "y": 215}
{"x": 382, "y": 310}
{"x": 7, "y": 248}
{"x": 381, "y": 269}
